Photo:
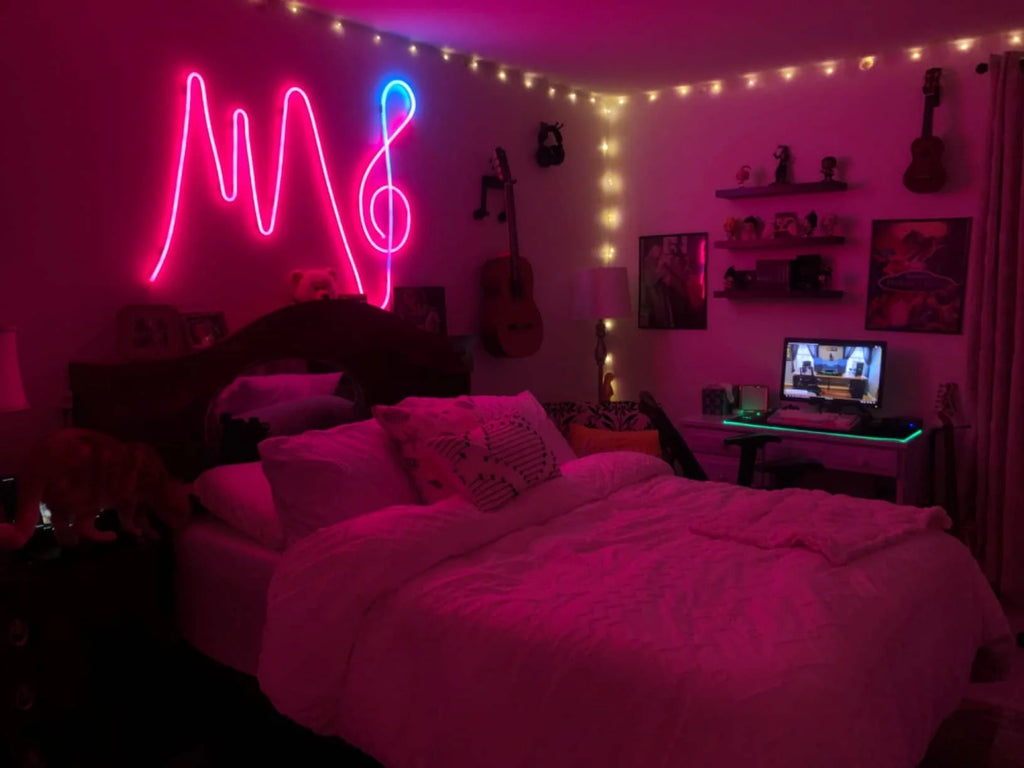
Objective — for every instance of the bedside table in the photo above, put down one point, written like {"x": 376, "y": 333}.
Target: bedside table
{"x": 80, "y": 641}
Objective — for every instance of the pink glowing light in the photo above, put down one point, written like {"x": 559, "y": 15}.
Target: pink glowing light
{"x": 379, "y": 234}
{"x": 266, "y": 224}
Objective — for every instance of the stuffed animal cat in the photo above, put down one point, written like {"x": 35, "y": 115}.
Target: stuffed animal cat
{"x": 77, "y": 473}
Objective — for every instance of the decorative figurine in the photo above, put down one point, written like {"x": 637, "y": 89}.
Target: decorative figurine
{"x": 732, "y": 228}
{"x": 828, "y": 167}
{"x": 809, "y": 223}
{"x": 751, "y": 228}
{"x": 782, "y": 171}
{"x": 829, "y": 221}
{"x": 743, "y": 174}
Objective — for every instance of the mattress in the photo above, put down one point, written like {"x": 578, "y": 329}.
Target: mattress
{"x": 221, "y": 579}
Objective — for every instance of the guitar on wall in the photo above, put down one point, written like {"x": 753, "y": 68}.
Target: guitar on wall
{"x": 926, "y": 173}
{"x": 511, "y": 325}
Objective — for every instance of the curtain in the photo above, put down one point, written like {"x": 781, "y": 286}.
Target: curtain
{"x": 995, "y": 341}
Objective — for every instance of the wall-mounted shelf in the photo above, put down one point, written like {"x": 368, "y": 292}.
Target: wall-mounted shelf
{"x": 771, "y": 190}
{"x": 763, "y": 291}
{"x": 779, "y": 242}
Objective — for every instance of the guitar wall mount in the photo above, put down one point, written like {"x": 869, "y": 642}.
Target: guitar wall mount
{"x": 486, "y": 183}
{"x": 550, "y": 154}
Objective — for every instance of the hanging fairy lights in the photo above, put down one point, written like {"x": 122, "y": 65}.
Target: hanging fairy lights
{"x": 607, "y": 105}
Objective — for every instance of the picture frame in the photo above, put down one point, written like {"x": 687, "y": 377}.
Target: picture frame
{"x": 917, "y": 275}
{"x": 423, "y": 306}
{"x": 204, "y": 329}
{"x": 150, "y": 332}
{"x": 673, "y": 281}
{"x": 786, "y": 224}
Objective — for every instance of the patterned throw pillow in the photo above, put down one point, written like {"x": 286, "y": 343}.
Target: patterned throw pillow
{"x": 413, "y": 422}
{"x": 498, "y": 460}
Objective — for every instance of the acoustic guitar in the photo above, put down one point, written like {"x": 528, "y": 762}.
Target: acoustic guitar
{"x": 511, "y": 324}
{"x": 926, "y": 173}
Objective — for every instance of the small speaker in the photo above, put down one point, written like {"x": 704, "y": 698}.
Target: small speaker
{"x": 753, "y": 397}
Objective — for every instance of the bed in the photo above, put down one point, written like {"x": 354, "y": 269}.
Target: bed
{"x": 613, "y": 614}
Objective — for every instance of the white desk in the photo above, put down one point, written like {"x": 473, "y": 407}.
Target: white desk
{"x": 907, "y": 462}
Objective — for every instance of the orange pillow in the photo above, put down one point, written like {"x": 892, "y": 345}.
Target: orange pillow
{"x": 585, "y": 440}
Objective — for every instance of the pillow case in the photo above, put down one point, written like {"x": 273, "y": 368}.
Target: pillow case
{"x": 240, "y": 495}
{"x": 247, "y": 393}
{"x": 414, "y": 421}
{"x": 497, "y": 461}
{"x": 290, "y": 417}
{"x": 524, "y": 404}
{"x": 322, "y": 477}
{"x": 586, "y": 440}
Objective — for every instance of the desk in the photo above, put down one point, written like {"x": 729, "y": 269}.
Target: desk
{"x": 906, "y": 463}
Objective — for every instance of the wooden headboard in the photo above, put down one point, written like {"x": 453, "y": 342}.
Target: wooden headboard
{"x": 165, "y": 402}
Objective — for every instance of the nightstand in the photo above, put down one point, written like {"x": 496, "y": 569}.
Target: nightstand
{"x": 82, "y": 633}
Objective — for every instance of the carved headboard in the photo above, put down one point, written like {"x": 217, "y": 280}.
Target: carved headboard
{"x": 165, "y": 402}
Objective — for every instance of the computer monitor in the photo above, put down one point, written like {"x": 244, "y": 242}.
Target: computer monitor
{"x": 840, "y": 371}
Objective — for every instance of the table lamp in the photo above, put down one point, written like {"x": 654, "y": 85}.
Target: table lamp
{"x": 602, "y": 293}
{"x": 12, "y": 393}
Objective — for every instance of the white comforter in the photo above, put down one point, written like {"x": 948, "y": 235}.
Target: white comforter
{"x": 586, "y": 624}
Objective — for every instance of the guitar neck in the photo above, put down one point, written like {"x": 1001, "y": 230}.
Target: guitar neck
{"x": 513, "y": 237}
{"x": 926, "y": 123}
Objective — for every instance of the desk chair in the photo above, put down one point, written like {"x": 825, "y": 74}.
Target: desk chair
{"x": 685, "y": 464}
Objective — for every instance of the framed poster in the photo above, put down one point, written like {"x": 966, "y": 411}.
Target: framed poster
{"x": 917, "y": 275}
{"x": 205, "y": 328}
{"x": 673, "y": 281}
{"x": 423, "y": 306}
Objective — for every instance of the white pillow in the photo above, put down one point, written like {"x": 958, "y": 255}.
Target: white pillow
{"x": 495, "y": 462}
{"x": 247, "y": 393}
{"x": 491, "y": 407}
{"x": 320, "y": 478}
{"x": 239, "y": 494}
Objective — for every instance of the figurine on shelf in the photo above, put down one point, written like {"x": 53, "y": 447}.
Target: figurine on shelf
{"x": 825, "y": 276}
{"x": 828, "y": 167}
{"x": 743, "y": 174}
{"x": 751, "y": 228}
{"x": 732, "y": 228}
{"x": 782, "y": 170}
{"x": 829, "y": 222}
{"x": 809, "y": 223}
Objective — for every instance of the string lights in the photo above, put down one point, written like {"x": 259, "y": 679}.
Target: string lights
{"x": 573, "y": 94}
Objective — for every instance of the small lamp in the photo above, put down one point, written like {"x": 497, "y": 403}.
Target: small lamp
{"x": 601, "y": 293}
{"x": 12, "y": 393}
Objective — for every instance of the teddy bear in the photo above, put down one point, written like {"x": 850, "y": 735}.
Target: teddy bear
{"x": 313, "y": 284}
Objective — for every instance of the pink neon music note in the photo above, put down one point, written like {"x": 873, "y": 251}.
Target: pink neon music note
{"x": 381, "y": 239}
{"x": 265, "y": 223}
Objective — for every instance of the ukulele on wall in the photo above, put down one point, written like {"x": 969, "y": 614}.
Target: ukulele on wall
{"x": 926, "y": 173}
{"x": 511, "y": 324}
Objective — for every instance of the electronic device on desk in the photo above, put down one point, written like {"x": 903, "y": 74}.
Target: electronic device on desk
{"x": 834, "y": 373}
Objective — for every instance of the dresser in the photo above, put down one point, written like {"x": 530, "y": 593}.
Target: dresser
{"x": 905, "y": 463}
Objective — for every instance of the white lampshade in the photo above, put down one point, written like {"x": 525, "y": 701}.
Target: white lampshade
{"x": 12, "y": 393}
{"x": 602, "y": 292}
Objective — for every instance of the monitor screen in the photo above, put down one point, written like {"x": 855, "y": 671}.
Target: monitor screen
{"x": 842, "y": 371}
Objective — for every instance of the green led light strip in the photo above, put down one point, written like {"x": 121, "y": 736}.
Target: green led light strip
{"x": 851, "y": 436}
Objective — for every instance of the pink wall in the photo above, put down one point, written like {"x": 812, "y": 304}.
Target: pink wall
{"x": 678, "y": 151}
{"x": 92, "y": 117}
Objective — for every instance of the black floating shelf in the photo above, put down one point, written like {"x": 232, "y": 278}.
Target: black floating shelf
{"x": 793, "y": 243}
{"x": 757, "y": 292}
{"x": 771, "y": 190}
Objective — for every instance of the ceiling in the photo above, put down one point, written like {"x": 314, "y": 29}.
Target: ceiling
{"x": 613, "y": 45}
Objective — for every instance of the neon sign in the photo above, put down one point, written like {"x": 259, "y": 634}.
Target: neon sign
{"x": 381, "y": 235}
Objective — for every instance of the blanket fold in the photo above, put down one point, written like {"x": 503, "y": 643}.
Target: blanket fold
{"x": 840, "y": 532}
